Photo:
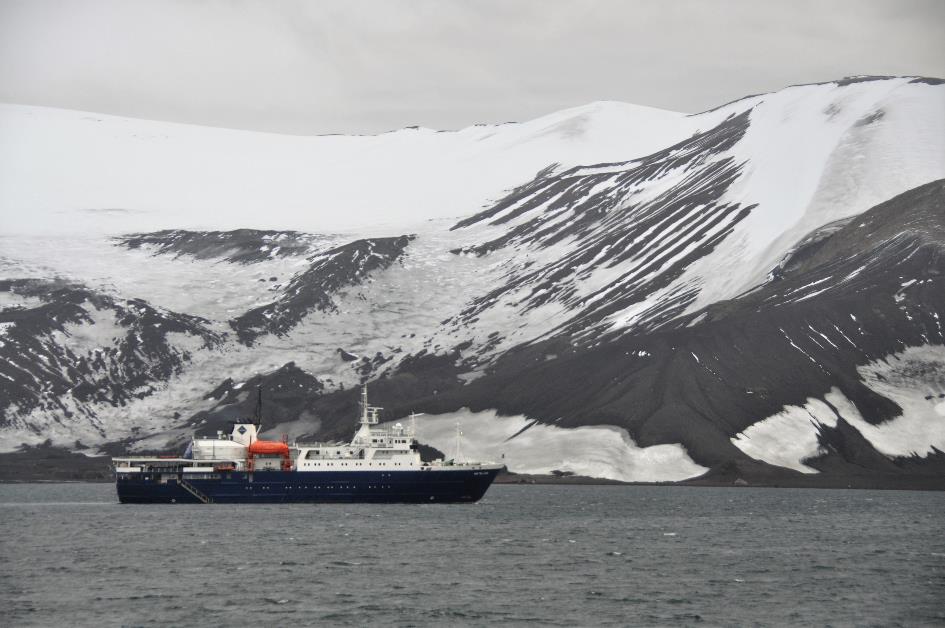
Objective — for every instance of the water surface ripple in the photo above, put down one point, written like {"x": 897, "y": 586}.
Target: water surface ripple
{"x": 539, "y": 555}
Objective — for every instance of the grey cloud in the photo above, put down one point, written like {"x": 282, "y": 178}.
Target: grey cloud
{"x": 369, "y": 66}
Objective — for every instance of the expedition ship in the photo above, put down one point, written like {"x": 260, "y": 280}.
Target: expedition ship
{"x": 380, "y": 464}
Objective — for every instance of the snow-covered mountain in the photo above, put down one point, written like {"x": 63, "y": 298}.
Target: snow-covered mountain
{"x": 63, "y": 171}
{"x": 759, "y": 285}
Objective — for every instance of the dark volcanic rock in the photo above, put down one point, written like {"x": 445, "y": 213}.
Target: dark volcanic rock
{"x": 125, "y": 346}
{"x": 871, "y": 288}
{"x": 588, "y": 206}
{"x": 45, "y": 462}
{"x": 928, "y": 80}
{"x": 241, "y": 246}
{"x": 345, "y": 356}
{"x": 287, "y": 393}
{"x": 313, "y": 288}
{"x": 418, "y": 380}
{"x": 754, "y": 473}
{"x": 848, "y": 451}
{"x": 934, "y": 463}
{"x": 429, "y": 454}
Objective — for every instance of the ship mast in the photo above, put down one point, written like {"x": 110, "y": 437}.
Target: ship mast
{"x": 257, "y": 414}
{"x": 369, "y": 414}
{"x": 459, "y": 435}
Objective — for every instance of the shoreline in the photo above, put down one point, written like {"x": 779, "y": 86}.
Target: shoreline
{"x": 51, "y": 465}
{"x": 907, "y": 483}
{"x": 820, "y": 481}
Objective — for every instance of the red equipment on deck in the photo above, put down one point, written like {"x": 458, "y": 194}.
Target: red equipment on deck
{"x": 268, "y": 448}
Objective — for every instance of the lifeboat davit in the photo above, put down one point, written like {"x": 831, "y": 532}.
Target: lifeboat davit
{"x": 268, "y": 448}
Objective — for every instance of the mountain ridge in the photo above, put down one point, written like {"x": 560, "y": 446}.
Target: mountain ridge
{"x": 759, "y": 290}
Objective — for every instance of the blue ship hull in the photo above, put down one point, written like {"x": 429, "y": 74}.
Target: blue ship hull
{"x": 302, "y": 487}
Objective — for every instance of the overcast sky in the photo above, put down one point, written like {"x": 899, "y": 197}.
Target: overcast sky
{"x": 368, "y": 66}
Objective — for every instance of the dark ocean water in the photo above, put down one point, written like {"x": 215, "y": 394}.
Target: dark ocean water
{"x": 540, "y": 555}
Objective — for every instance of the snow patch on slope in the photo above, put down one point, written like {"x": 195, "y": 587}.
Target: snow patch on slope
{"x": 789, "y": 437}
{"x": 914, "y": 379}
{"x": 594, "y": 451}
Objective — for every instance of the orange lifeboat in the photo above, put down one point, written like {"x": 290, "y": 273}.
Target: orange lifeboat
{"x": 268, "y": 448}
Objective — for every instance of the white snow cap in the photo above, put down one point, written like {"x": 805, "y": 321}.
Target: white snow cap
{"x": 70, "y": 171}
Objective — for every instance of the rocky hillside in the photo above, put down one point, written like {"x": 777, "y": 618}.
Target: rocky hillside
{"x": 753, "y": 292}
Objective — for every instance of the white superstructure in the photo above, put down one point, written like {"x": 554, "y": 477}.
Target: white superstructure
{"x": 231, "y": 447}
{"x": 373, "y": 448}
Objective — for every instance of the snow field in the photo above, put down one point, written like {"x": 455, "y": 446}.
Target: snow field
{"x": 71, "y": 171}
{"x": 593, "y": 451}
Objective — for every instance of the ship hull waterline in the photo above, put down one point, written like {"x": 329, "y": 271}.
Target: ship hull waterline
{"x": 300, "y": 487}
